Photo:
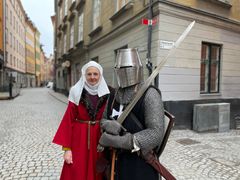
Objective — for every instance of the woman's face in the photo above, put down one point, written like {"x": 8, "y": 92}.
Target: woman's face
{"x": 92, "y": 75}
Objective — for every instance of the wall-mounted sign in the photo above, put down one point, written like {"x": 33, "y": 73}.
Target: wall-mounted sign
{"x": 166, "y": 44}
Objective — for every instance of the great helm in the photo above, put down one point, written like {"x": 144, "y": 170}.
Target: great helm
{"x": 128, "y": 68}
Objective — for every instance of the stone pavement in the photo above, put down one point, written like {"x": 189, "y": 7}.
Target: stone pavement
{"x": 27, "y": 126}
{"x": 202, "y": 156}
{"x": 29, "y": 122}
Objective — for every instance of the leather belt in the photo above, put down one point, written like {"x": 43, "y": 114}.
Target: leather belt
{"x": 90, "y": 123}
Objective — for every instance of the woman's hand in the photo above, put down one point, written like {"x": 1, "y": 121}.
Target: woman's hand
{"x": 68, "y": 157}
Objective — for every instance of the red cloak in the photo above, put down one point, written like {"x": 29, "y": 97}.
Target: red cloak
{"x": 74, "y": 135}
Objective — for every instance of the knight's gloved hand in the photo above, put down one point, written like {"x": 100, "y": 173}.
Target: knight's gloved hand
{"x": 111, "y": 126}
{"x": 116, "y": 141}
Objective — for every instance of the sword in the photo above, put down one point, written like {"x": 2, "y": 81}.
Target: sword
{"x": 141, "y": 91}
{"x": 149, "y": 80}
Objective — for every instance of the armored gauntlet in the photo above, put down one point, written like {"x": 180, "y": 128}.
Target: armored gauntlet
{"x": 116, "y": 141}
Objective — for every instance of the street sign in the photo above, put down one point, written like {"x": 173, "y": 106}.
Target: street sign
{"x": 166, "y": 44}
{"x": 149, "y": 22}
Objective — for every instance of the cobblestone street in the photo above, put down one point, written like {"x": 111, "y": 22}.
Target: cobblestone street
{"x": 203, "y": 156}
{"x": 28, "y": 123}
{"x": 27, "y": 126}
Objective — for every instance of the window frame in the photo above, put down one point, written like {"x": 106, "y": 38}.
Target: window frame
{"x": 80, "y": 26}
{"x": 71, "y": 34}
{"x": 118, "y": 6}
{"x": 207, "y": 85}
{"x": 96, "y": 14}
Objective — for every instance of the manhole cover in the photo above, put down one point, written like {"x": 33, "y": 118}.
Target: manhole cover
{"x": 187, "y": 141}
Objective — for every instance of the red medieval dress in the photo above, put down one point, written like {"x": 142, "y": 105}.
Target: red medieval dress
{"x": 80, "y": 131}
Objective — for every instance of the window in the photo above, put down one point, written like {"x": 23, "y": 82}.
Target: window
{"x": 10, "y": 17}
{"x": 6, "y": 35}
{"x": 6, "y": 57}
{"x": 71, "y": 34}
{"x": 80, "y": 27}
{"x": 60, "y": 44}
{"x": 11, "y": 43}
{"x": 65, "y": 43}
{"x": 10, "y": 59}
{"x": 78, "y": 72}
{"x": 96, "y": 13}
{"x": 14, "y": 22}
{"x": 121, "y": 3}
{"x": 14, "y": 61}
{"x": 65, "y": 7}
{"x": 6, "y": 11}
{"x": 60, "y": 14}
{"x": 210, "y": 68}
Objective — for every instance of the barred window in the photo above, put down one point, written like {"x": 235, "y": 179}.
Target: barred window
{"x": 210, "y": 68}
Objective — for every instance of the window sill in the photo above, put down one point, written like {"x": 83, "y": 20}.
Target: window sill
{"x": 210, "y": 94}
{"x": 129, "y": 5}
{"x": 95, "y": 31}
{"x": 60, "y": 27}
{"x": 80, "y": 43}
{"x": 64, "y": 27}
{"x": 65, "y": 18}
{"x": 71, "y": 50}
{"x": 72, "y": 15}
{"x": 79, "y": 4}
{"x": 59, "y": 2}
{"x": 59, "y": 33}
{"x": 72, "y": 6}
{"x": 224, "y": 3}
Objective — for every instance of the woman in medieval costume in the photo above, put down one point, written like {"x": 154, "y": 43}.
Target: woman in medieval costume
{"x": 142, "y": 131}
{"x": 79, "y": 130}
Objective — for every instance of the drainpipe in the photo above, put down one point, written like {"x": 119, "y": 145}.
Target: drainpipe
{"x": 150, "y": 15}
{"x": 4, "y": 41}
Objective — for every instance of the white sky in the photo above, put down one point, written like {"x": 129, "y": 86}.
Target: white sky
{"x": 40, "y": 12}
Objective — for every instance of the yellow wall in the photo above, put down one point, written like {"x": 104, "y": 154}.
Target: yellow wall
{"x": 1, "y": 25}
{"x": 235, "y": 12}
{"x": 30, "y": 58}
{"x": 215, "y": 8}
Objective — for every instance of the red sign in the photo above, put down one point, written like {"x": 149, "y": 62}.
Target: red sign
{"x": 149, "y": 22}
{"x": 145, "y": 21}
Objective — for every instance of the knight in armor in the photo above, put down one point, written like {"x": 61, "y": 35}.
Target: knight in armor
{"x": 142, "y": 130}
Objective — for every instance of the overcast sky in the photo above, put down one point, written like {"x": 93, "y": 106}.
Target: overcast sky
{"x": 40, "y": 12}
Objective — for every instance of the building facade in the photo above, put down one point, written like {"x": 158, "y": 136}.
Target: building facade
{"x": 203, "y": 69}
{"x": 15, "y": 43}
{"x": 37, "y": 58}
{"x": 1, "y": 43}
{"x": 30, "y": 53}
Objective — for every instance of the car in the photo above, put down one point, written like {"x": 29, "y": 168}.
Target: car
{"x": 49, "y": 85}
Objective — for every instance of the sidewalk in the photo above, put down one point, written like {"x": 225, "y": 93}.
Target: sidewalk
{"x": 58, "y": 96}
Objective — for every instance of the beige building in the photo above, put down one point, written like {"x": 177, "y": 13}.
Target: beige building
{"x": 1, "y": 44}
{"x": 42, "y": 67}
{"x": 205, "y": 68}
{"x": 15, "y": 42}
{"x": 30, "y": 53}
{"x": 46, "y": 68}
{"x": 37, "y": 58}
